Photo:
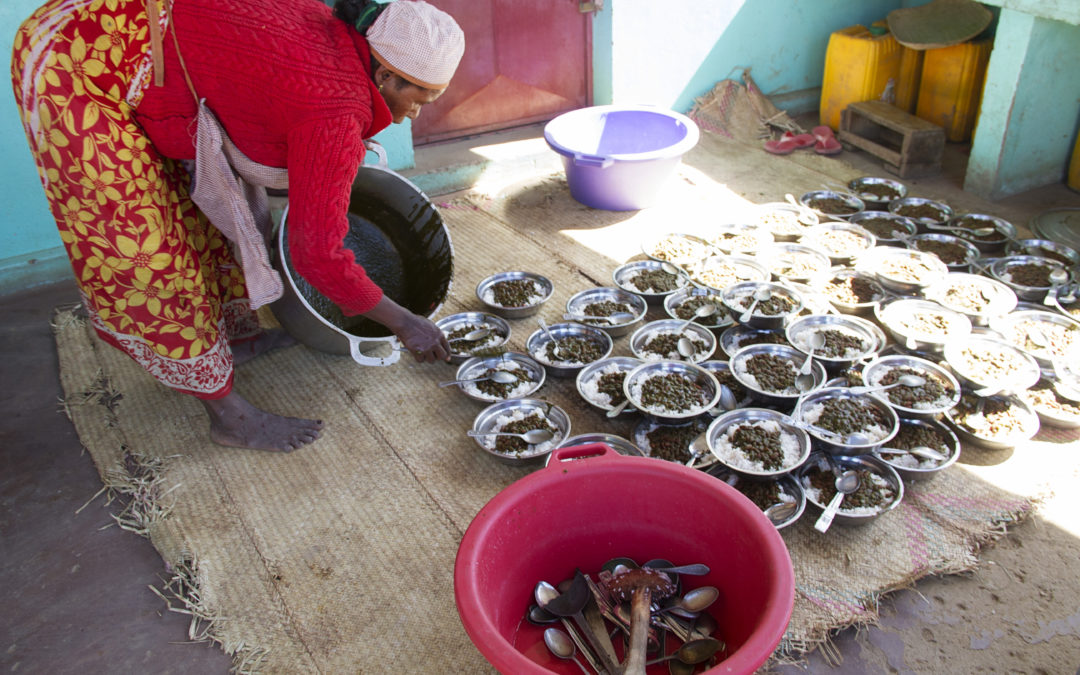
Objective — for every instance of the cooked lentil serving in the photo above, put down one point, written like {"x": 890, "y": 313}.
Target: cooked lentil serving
{"x": 845, "y": 416}
{"x": 654, "y": 281}
{"x": 672, "y": 391}
{"x": 512, "y": 445}
{"x": 773, "y": 373}
{"x": 514, "y": 292}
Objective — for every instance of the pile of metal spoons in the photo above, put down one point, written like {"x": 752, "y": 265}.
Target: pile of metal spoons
{"x": 628, "y": 618}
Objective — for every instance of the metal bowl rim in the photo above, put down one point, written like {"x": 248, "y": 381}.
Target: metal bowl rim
{"x": 653, "y": 239}
{"x": 1008, "y": 441}
{"x": 639, "y": 306}
{"x": 658, "y": 325}
{"x": 916, "y": 362}
{"x": 491, "y": 412}
{"x": 538, "y": 337}
{"x": 529, "y": 363}
{"x": 619, "y": 274}
{"x": 965, "y": 378}
{"x": 753, "y": 414}
{"x": 817, "y": 370}
{"x": 545, "y": 284}
{"x": 816, "y": 395}
{"x": 792, "y": 329}
{"x": 672, "y": 366}
{"x": 951, "y": 440}
{"x": 884, "y": 470}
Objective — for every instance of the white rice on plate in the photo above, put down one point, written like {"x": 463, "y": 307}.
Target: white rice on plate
{"x": 502, "y": 421}
{"x": 520, "y": 389}
{"x": 814, "y": 494}
{"x": 590, "y": 386}
{"x": 735, "y": 457}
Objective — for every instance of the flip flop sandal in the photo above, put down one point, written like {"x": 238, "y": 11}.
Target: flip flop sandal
{"x": 782, "y": 146}
{"x": 800, "y": 140}
{"x": 826, "y": 143}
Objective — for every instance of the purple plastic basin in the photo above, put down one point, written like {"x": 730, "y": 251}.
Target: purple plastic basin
{"x": 618, "y": 157}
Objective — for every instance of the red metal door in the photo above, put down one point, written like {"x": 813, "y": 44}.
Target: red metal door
{"x": 525, "y": 61}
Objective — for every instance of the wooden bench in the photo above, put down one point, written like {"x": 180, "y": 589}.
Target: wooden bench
{"x": 909, "y": 145}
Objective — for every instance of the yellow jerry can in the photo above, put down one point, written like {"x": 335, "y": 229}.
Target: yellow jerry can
{"x": 951, "y": 86}
{"x": 858, "y": 67}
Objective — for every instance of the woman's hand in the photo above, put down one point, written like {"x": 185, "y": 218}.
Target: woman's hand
{"x": 419, "y": 334}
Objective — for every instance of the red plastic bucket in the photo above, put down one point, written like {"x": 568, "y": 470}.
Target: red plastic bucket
{"x": 589, "y": 505}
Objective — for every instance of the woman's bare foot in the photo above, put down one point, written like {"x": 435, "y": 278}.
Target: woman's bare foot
{"x": 236, "y": 423}
{"x": 275, "y": 338}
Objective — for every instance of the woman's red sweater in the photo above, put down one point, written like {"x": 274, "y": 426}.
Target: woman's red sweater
{"x": 290, "y": 84}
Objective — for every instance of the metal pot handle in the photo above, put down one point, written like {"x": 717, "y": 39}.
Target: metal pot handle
{"x": 365, "y": 360}
{"x": 380, "y": 152}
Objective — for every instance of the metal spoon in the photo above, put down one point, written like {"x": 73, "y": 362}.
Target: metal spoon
{"x": 706, "y": 310}
{"x": 815, "y": 342}
{"x": 692, "y": 602}
{"x": 976, "y": 421}
{"x": 692, "y": 652}
{"x": 500, "y": 376}
{"x": 614, "y": 317}
{"x": 672, "y": 268}
{"x": 905, "y": 380}
{"x": 698, "y": 447}
{"x": 696, "y": 569}
{"x": 617, "y": 410}
{"x": 760, "y": 295}
{"x": 685, "y": 347}
{"x": 554, "y": 343}
{"x": 571, "y": 604}
{"x": 1038, "y": 337}
{"x": 1069, "y": 296}
{"x": 727, "y": 398}
{"x": 918, "y": 451}
{"x": 974, "y": 232}
{"x": 473, "y": 335}
{"x": 846, "y": 483}
{"x": 560, "y": 644}
{"x": 804, "y": 379}
{"x": 544, "y": 593}
{"x": 538, "y": 616}
{"x": 780, "y": 512}
{"x": 854, "y": 438}
{"x": 533, "y": 437}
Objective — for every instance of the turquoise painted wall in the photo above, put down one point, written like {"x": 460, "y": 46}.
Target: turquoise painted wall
{"x": 1028, "y": 115}
{"x": 31, "y": 247}
{"x": 690, "y": 45}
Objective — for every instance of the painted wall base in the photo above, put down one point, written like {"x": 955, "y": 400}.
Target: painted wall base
{"x": 18, "y": 273}
{"x": 1031, "y": 101}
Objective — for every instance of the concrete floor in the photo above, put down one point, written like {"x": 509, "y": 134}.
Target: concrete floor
{"x": 74, "y": 589}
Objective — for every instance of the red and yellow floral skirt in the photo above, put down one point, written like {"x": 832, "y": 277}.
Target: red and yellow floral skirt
{"x": 159, "y": 280}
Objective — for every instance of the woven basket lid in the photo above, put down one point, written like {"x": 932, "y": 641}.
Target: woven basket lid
{"x": 939, "y": 23}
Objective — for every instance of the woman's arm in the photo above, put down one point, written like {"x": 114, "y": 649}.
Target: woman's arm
{"x": 419, "y": 335}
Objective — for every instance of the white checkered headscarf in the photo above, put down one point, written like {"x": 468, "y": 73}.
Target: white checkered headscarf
{"x": 417, "y": 41}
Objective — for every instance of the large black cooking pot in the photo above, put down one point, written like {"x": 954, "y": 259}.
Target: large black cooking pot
{"x": 400, "y": 240}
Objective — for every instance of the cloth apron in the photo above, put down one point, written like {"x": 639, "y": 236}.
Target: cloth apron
{"x": 230, "y": 189}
